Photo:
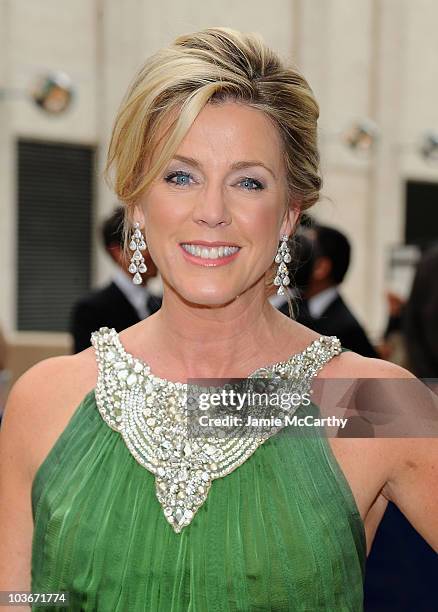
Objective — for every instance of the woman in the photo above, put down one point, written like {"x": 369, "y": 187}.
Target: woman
{"x": 215, "y": 157}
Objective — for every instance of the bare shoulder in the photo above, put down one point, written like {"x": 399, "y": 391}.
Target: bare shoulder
{"x": 68, "y": 376}
{"x": 392, "y": 388}
{"x": 352, "y": 365}
{"x": 373, "y": 397}
{"x": 407, "y": 464}
{"x": 42, "y": 401}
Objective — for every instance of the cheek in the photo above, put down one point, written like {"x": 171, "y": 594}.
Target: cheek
{"x": 157, "y": 219}
{"x": 268, "y": 233}
{"x": 267, "y": 219}
{"x": 163, "y": 219}
{"x": 262, "y": 222}
{"x": 161, "y": 212}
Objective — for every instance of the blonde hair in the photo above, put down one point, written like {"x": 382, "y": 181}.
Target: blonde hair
{"x": 211, "y": 66}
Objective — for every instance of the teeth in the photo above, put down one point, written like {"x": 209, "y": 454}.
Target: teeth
{"x": 209, "y": 253}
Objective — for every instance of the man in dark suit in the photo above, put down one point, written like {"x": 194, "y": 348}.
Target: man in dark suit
{"x": 321, "y": 270}
{"x": 119, "y": 304}
{"x": 329, "y": 313}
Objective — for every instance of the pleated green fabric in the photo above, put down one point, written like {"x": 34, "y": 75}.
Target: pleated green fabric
{"x": 281, "y": 532}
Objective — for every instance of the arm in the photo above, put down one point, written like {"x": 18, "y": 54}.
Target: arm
{"x": 16, "y": 525}
{"x": 412, "y": 480}
{"x": 35, "y": 415}
{"x": 409, "y": 464}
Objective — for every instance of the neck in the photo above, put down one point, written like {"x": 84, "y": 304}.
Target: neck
{"x": 214, "y": 341}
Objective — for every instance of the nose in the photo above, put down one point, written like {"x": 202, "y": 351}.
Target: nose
{"x": 211, "y": 207}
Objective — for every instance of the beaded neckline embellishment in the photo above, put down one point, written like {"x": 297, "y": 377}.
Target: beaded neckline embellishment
{"x": 150, "y": 414}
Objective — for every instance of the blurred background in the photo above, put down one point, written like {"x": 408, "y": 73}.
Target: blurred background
{"x": 64, "y": 67}
{"x": 369, "y": 62}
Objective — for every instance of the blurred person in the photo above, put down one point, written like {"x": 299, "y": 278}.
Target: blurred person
{"x": 328, "y": 311}
{"x": 392, "y": 344}
{"x": 215, "y": 156}
{"x": 316, "y": 271}
{"x": 420, "y": 317}
{"x": 121, "y": 303}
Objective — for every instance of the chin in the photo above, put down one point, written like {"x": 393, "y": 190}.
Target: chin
{"x": 208, "y": 296}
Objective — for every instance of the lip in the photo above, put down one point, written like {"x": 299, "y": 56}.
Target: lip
{"x": 209, "y": 263}
{"x": 210, "y": 244}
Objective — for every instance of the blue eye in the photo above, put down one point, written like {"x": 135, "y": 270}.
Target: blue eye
{"x": 251, "y": 184}
{"x": 182, "y": 178}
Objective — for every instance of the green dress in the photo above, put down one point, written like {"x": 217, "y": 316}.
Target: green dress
{"x": 280, "y": 532}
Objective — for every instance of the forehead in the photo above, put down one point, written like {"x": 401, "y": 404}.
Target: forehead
{"x": 230, "y": 131}
{"x": 233, "y": 130}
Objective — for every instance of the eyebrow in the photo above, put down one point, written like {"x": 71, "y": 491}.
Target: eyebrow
{"x": 235, "y": 166}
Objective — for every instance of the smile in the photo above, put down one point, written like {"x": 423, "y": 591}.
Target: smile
{"x": 209, "y": 256}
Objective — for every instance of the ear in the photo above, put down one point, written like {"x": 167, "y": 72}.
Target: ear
{"x": 322, "y": 268}
{"x": 116, "y": 252}
{"x": 291, "y": 219}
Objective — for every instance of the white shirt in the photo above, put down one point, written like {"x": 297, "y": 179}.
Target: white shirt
{"x": 136, "y": 295}
{"x": 278, "y": 300}
{"x": 317, "y": 304}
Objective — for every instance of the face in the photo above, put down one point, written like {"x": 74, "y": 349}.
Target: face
{"x": 213, "y": 218}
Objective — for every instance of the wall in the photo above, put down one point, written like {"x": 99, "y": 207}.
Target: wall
{"x": 363, "y": 58}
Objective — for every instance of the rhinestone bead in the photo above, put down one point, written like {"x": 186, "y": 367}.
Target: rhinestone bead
{"x": 150, "y": 414}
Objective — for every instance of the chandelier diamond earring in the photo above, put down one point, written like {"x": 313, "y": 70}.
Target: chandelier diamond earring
{"x": 137, "y": 265}
{"x": 282, "y": 257}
